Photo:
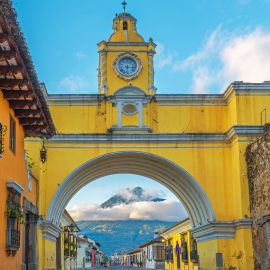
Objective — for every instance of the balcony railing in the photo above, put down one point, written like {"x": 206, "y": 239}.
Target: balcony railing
{"x": 13, "y": 239}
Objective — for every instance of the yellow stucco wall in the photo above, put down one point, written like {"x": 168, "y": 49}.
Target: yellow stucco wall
{"x": 236, "y": 252}
{"x": 163, "y": 118}
{"x": 207, "y": 163}
{"x": 218, "y": 166}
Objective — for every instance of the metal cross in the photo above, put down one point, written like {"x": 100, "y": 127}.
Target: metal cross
{"x": 124, "y": 4}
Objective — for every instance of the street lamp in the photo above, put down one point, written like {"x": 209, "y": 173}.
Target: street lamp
{"x": 43, "y": 153}
{"x": 73, "y": 228}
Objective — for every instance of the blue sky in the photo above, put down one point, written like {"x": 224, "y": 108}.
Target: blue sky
{"x": 203, "y": 44}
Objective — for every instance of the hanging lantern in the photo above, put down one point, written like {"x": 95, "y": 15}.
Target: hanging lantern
{"x": 43, "y": 154}
{"x": 73, "y": 228}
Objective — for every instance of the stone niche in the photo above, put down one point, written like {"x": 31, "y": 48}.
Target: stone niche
{"x": 258, "y": 162}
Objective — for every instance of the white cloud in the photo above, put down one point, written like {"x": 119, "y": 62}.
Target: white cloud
{"x": 128, "y": 194}
{"x": 80, "y": 55}
{"x": 74, "y": 84}
{"x": 227, "y": 57}
{"x": 166, "y": 210}
{"x": 163, "y": 59}
{"x": 247, "y": 57}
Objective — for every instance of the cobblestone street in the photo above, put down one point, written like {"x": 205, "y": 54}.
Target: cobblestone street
{"x": 119, "y": 267}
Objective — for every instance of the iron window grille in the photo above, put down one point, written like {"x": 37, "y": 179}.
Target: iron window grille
{"x": 160, "y": 253}
{"x": 14, "y": 216}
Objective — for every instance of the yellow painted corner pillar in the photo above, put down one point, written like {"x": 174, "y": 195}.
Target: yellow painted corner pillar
{"x": 50, "y": 232}
{"x": 225, "y": 245}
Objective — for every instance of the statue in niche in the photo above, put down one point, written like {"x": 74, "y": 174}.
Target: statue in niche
{"x": 184, "y": 251}
{"x": 178, "y": 252}
{"x": 194, "y": 252}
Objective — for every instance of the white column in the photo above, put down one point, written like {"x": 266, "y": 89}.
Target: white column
{"x": 119, "y": 107}
{"x": 140, "y": 110}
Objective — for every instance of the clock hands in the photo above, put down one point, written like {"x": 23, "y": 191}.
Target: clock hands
{"x": 127, "y": 67}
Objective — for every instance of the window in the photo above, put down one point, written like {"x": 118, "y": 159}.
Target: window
{"x": 14, "y": 216}
{"x": 3, "y": 131}
{"x": 12, "y": 135}
{"x": 129, "y": 109}
{"x": 125, "y": 25}
{"x": 148, "y": 254}
{"x": 160, "y": 253}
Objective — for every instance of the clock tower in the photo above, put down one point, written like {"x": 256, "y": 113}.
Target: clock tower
{"x": 126, "y": 74}
{"x": 125, "y": 59}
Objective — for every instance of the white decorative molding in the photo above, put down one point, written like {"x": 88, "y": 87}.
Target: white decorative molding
{"x": 30, "y": 207}
{"x": 237, "y": 88}
{"x": 182, "y": 226}
{"x": 129, "y": 91}
{"x": 130, "y": 130}
{"x": 173, "y": 138}
{"x": 220, "y": 230}
{"x": 50, "y": 231}
{"x": 14, "y": 185}
{"x": 129, "y": 95}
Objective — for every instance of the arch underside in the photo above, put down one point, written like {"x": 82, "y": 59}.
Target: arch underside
{"x": 159, "y": 169}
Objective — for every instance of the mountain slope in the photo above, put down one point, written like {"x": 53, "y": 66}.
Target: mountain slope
{"x": 122, "y": 235}
{"x": 129, "y": 196}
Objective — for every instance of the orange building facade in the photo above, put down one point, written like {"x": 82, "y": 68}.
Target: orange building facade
{"x": 23, "y": 113}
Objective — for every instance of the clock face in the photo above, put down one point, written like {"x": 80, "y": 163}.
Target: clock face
{"x": 127, "y": 66}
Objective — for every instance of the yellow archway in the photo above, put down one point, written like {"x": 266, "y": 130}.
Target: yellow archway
{"x": 192, "y": 144}
{"x": 182, "y": 184}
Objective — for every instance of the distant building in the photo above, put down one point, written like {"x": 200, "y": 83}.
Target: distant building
{"x": 135, "y": 258}
{"x": 119, "y": 258}
{"x": 99, "y": 255}
{"x": 88, "y": 253}
{"x": 149, "y": 255}
{"x": 153, "y": 254}
{"x": 84, "y": 252}
{"x": 180, "y": 247}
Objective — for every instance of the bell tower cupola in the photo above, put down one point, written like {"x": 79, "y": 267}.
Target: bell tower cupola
{"x": 125, "y": 29}
{"x": 125, "y": 58}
